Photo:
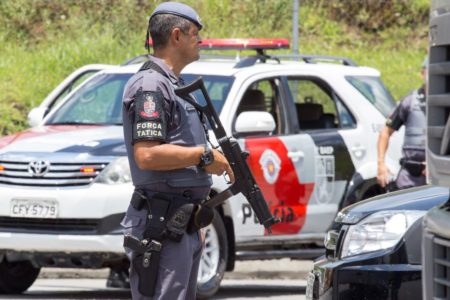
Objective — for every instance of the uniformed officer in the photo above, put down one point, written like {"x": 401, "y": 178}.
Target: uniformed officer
{"x": 411, "y": 113}
{"x": 171, "y": 164}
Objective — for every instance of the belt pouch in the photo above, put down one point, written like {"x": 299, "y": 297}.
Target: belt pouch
{"x": 138, "y": 199}
{"x": 178, "y": 221}
{"x": 201, "y": 217}
{"x": 157, "y": 217}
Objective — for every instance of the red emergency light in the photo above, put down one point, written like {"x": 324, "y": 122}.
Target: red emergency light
{"x": 237, "y": 44}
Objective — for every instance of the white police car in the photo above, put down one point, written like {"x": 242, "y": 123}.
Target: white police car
{"x": 310, "y": 127}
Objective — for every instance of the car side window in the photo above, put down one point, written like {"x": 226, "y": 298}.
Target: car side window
{"x": 264, "y": 96}
{"x": 76, "y": 82}
{"x": 316, "y": 106}
{"x": 345, "y": 117}
{"x": 97, "y": 102}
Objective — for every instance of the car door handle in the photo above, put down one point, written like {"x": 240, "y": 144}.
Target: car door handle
{"x": 359, "y": 151}
{"x": 295, "y": 155}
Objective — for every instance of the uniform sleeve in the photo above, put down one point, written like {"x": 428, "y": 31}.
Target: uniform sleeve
{"x": 399, "y": 116}
{"x": 150, "y": 116}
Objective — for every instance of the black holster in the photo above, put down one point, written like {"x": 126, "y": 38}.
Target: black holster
{"x": 415, "y": 168}
{"x": 145, "y": 262}
{"x": 169, "y": 217}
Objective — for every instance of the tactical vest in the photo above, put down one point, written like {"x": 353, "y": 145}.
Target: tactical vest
{"x": 415, "y": 126}
{"x": 189, "y": 132}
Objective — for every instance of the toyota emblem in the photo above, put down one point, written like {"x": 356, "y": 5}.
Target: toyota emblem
{"x": 38, "y": 168}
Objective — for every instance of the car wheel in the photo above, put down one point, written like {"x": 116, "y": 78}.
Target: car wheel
{"x": 16, "y": 277}
{"x": 214, "y": 258}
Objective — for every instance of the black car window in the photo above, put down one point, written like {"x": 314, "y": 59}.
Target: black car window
{"x": 315, "y": 104}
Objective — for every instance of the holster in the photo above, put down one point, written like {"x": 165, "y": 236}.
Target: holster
{"x": 391, "y": 187}
{"x": 145, "y": 262}
{"x": 415, "y": 168}
{"x": 169, "y": 217}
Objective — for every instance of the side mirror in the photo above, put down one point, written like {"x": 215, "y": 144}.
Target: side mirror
{"x": 35, "y": 116}
{"x": 255, "y": 122}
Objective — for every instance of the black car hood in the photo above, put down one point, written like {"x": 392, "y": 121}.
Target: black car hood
{"x": 420, "y": 198}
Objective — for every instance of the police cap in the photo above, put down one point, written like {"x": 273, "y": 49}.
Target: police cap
{"x": 178, "y": 9}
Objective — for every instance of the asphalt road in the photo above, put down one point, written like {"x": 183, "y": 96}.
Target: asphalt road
{"x": 90, "y": 289}
{"x": 269, "y": 279}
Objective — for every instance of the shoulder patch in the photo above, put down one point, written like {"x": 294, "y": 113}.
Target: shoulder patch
{"x": 150, "y": 118}
{"x": 150, "y": 105}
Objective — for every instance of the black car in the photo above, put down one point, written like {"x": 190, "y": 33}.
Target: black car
{"x": 373, "y": 250}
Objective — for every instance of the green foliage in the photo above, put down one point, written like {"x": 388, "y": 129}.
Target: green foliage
{"x": 376, "y": 15}
{"x": 43, "y": 41}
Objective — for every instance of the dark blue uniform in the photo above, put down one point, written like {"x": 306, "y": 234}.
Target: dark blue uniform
{"x": 411, "y": 113}
{"x": 152, "y": 112}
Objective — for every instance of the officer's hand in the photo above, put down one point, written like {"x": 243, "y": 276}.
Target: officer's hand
{"x": 383, "y": 175}
{"x": 220, "y": 165}
{"x": 425, "y": 170}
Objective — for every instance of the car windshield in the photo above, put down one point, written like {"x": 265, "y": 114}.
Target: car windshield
{"x": 373, "y": 89}
{"x": 97, "y": 102}
{"x": 218, "y": 88}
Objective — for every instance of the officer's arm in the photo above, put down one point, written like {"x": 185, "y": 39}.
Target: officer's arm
{"x": 383, "y": 173}
{"x": 153, "y": 155}
{"x": 383, "y": 142}
{"x": 393, "y": 123}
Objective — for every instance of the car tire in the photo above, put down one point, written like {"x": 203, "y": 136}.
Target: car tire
{"x": 17, "y": 277}
{"x": 214, "y": 258}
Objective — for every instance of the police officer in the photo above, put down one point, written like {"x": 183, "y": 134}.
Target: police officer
{"x": 170, "y": 160}
{"x": 411, "y": 113}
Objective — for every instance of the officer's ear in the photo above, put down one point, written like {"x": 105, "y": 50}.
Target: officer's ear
{"x": 176, "y": 34}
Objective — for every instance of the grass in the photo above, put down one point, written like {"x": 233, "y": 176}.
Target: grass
{"x": 41, "y": 41}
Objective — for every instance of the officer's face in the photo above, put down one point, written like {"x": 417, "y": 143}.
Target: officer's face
{"x": 191, "y": 43}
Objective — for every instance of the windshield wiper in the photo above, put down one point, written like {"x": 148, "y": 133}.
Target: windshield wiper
{"x": 72, "y": 123}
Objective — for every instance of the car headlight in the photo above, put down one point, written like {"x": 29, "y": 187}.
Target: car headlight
{"x": 381, "y": 230}
{"x": 116, "y": 172}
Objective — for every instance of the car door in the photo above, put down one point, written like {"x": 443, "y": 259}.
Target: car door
{"x": 280, "y": 162}
{"x": 325, "y": 162}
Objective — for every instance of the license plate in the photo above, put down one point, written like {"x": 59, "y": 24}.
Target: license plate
{"x": 33, "y": 208}
{"x": 310, "y": 286}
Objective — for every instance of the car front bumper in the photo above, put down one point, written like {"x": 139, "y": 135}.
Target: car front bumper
{"x": 363, "y": 279}
{"x": 88, "y": 220}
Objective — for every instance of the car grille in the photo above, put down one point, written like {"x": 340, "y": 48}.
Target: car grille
{"x": 54, "y": 173}
{"x": 40, "y": 224}
{"x": 107, "y": 225}
{"x": 333, "y": 242}
{"x": 441, "y": 249}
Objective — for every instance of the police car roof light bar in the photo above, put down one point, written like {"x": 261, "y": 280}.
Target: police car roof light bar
{"x": 259, "y": 45}
{"x": 244, "y": 44}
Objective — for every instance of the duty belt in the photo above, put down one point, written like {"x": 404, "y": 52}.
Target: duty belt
{"x": 415, "y": 168}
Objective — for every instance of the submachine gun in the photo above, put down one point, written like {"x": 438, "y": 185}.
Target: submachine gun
{"x": 245, "y": 182}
